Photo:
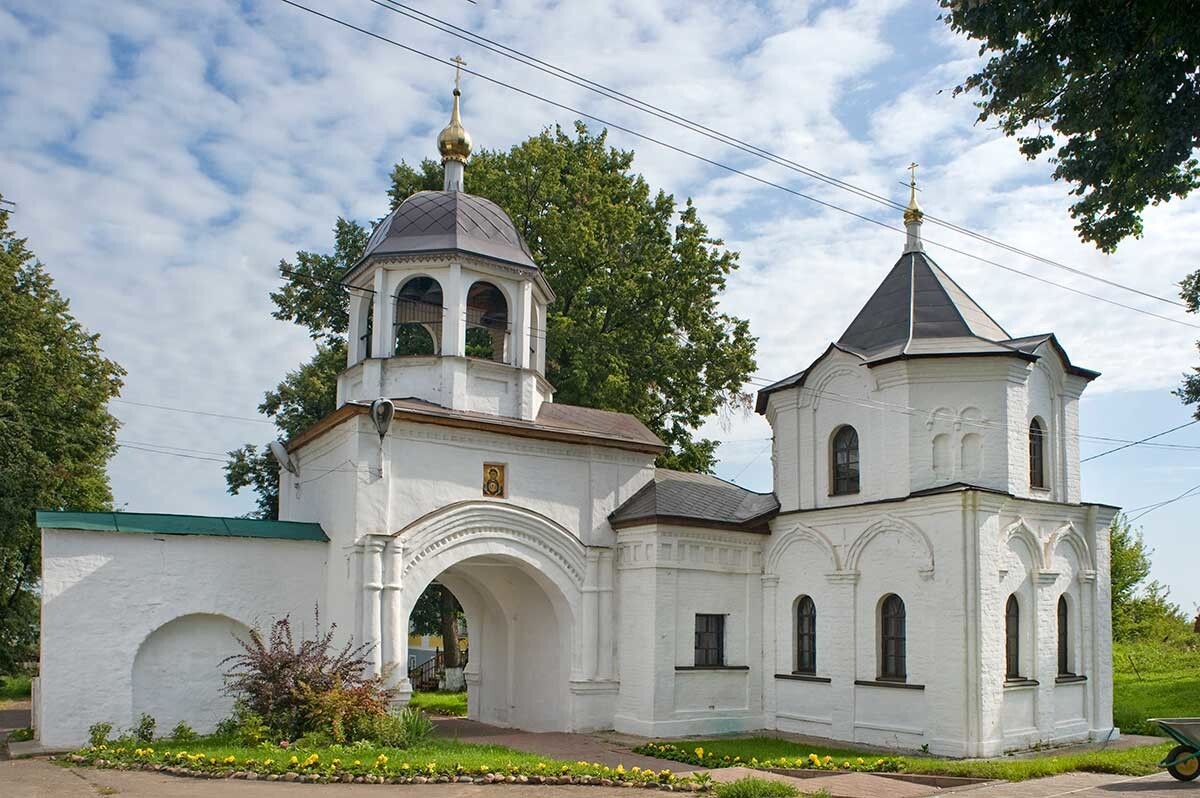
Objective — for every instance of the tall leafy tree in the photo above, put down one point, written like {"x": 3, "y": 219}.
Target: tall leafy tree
{"x": 635, "y": 327}
{"x": 56, "y": 434}
{"x": 1109, "y": 88}
{"x": 1141, "y": 607}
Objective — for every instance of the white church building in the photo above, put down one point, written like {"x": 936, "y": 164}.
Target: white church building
{"x": 925, "y": 572}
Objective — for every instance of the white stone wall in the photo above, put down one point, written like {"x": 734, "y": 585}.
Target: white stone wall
{"x": 136, "y": 622}
{"x": 924, "y": 423}
{"x": 666, "y": 575}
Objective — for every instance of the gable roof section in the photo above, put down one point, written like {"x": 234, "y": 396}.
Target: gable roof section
{"x": 696, "y": 500}
{"x": 1030, "y": 343}
{"x": 915, "y": 301}
{"x": 166, "y": 524}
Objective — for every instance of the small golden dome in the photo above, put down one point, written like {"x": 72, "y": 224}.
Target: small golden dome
{"x": 454, "y": 142}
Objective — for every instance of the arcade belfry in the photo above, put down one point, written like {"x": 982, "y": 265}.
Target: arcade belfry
{"x": 924, "y": 572}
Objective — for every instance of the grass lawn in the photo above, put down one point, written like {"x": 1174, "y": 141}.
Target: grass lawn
{"x": 1132, "y": 762}
{"x": 434, "y": 759}
{"x": 453, "y": 704}
{"x": 14, "y": 688}
{"x": 1152, "y": 680}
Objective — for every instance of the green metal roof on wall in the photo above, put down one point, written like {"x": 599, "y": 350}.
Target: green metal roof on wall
{"x": 166, "y": 524}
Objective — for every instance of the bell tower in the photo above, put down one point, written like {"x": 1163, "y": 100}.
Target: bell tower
{"x": 447, "y": 305}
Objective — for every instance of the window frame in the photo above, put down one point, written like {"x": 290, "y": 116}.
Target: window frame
{"x": 1012, "y": 639}
{"x": 705, "y": 655}
{"x": 893, "y": 639}
{"x": 1064, "y": 636}
{"x": 1037, "y": 454}
{"x": 806, "y": 636}
{"x": 850, "y": 482}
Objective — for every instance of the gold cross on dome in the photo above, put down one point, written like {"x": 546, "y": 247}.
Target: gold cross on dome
{"x": 459, "y": 63}
{"x": 912, "y": 171}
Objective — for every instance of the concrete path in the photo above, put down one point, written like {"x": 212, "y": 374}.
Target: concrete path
{"x": 1091, "y": 785}
{"x": 558, "y": 745}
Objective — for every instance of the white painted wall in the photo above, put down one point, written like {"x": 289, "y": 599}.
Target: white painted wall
{"x": 107, "y": 596}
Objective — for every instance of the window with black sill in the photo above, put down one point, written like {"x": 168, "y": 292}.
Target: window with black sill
{"x": 806, "y": 636}
{"x": 893, "y": 641}
{"x": 710, "y": 640}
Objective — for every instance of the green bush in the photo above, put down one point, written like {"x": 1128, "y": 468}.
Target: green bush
{"x": 20, "y": 735}
{"x": 143, "y": 732}
{"x": 297, "y": 687}
{"x": 98, "y": 733}
{"x": 244, "y": 726}
{"x": 406, "y": 729}
{"x": 183, "y": 733}
{"x": 751, "y": 787}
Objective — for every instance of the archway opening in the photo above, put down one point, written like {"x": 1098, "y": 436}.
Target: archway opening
{"x": 518, "y": 625}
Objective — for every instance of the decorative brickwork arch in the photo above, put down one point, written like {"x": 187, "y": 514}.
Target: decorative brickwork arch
{"x": 1021, "y": 530}
{"x": 905, "y": 529}
{"x": 798, "y": 533}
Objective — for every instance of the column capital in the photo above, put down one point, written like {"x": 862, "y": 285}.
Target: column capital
{"x": 770, "y": 580}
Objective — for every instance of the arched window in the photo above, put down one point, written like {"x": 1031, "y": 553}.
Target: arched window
{"x": 1012, "y": 639}
{"x": 943, "y": 465}
{"x": 419, "y": 314}
{"x": 487, "y": 323}
{"x": 972, "y": 454}
{"x": 1037, "y": 454}
{"x": 892, "y": 644}
{"x": 1064, "y": 639}
{"x": 806, "y": 635}
{"x": 845, "y": 461}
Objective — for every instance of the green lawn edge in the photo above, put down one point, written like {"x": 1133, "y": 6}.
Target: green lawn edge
{"x": 763, "y": 752}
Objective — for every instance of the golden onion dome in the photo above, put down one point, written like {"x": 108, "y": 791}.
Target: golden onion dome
{"x": 454, "y": 142}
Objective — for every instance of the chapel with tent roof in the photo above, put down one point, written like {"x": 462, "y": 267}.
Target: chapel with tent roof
{"x": 924, "y": 572}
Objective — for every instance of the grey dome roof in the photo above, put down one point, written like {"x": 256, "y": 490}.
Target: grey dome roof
{"x": 449, "y": 221}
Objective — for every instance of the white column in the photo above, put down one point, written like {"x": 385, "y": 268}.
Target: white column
{"x": 589, "y": 628}
{"x": 372, "y": 586}
{"x": 838, "y": 656}
{"x": 356, "y": 349}
{"x": 382, "y": 338}
{"x": 522, "y": 318}
{"x": 605, "y": 657}
{"x": 770, "y": 647}
{"x": 454, "y": 326}
{"x": 395, "y": 622}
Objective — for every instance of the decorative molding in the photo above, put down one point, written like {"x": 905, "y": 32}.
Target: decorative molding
{"x": 1021, "y": 530}
{"x": 889, "y": 684}
{"x": 1069, "y": 533}
{"x": 890, "y": 523}
{"x": 464, "y": 522}
{"x": 1047, "y": 577}
{"x": 1087, "y": 577}
{"x": 804, "y": 677}
{"x": 843, "y": 577}
{"x": 794, "y": 534}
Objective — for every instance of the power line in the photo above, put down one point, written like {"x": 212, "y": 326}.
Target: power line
{"x": 643, "y": 106}
{"x": 1187, "y": 494}
{"x": 1143, "y": 440}
{"x": 726, "y": 167}
{"x": 193, "y": 412}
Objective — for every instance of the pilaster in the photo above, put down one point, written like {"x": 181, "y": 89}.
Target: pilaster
{"x": 372, "y": 610}
{"x": 770, "y": 646}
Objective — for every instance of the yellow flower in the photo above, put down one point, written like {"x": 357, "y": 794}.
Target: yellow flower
{"x": 312, "y": 760}
{"x": 700, "y": 753}
{"x": 357, "y": 763}
{"x": 828, "y": 759}
{"x": 294, "y": 761}
{"x": 846, "y": 765}
{"x": 337, "y": 762}
{"x": 860, "y": 761}
{"x": 404, "y": 766}
{"x": 268, "y": 762}
{"x": 382, "y": 759}
{"x": 229, "y": 760}
{"x": 621, "y": 769}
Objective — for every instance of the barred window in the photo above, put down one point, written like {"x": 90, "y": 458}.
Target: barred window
{"x": 892, "y": 642}
{"x": 1012, "y": 639}
{"x": 1037, "y": 454}
{"x": 710, "y": 639}
{"x": 806, "y": 636}
{"x": 845, "y": 461}
{"x": 1064, "y": 639}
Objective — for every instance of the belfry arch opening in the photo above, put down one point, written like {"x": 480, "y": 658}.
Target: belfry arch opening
{"x": 419, "y": 313}
{"x": 518, "y": 631}
{"x": 487, "y": 323}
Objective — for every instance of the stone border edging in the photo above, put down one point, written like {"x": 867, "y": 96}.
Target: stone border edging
{"x": 349, "y": 778}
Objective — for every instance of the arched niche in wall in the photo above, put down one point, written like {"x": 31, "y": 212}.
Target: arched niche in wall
{"x": 177, "y": 672}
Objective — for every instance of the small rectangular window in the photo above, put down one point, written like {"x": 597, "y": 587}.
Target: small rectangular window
{"x": 710, "y": 640}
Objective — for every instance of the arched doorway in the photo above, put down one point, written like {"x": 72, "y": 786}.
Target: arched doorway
{"x": 518, "y": 577}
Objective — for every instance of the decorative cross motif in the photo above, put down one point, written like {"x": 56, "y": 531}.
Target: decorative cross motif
{"x": 459, "y": 63}
{"x": 912, "y": 171}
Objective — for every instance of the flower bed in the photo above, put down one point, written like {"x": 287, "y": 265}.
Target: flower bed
{"x": 710, "y": 759}
{"x": 368, "y": 765}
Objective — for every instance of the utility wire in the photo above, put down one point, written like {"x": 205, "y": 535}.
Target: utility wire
{"x": 726, "y": 167}
{"x": 1143, "y": 440}
{"x": 653, "y": 110}
{"x": 1187, "y": 494}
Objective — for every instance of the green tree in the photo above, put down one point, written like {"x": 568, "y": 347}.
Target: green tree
{"x": 635, "y": 327}
{"x": 1140, "y": 609}
{"x": 437, "y": 612}
{"x": 1189, "y": 391}
{"x": 56, "y": 434}
{"x": 1110, "y": 87}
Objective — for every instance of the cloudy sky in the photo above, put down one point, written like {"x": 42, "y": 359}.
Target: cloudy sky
{"x": 165, "y": 156}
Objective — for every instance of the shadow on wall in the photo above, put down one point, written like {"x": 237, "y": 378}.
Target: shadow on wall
{"x": 177, "y": 674}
